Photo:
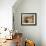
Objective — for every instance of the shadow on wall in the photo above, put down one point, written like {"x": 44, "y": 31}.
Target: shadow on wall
{"x": 18, "y": 3}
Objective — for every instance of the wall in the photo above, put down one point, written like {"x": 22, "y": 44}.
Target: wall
{"x": 6, "y": 13}
{"x": 29, "y": 32}
{"x": 43, "y": 22}
{"x": 6, "y": 16}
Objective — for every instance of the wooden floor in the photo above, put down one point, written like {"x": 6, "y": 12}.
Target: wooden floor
{"x": 9, "y": 43}
{"x": 16, "y": 40}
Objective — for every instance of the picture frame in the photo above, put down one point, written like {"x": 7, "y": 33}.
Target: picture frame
{"x": 29, "y": 19}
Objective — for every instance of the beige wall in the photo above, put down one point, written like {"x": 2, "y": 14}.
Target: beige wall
{"x": 29, "y": 32}
{"x": 6, "y": 13}
{"x": 43, "y": 22}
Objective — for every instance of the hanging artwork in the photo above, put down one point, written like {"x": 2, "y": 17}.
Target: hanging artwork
{"x": 28, "y": 19}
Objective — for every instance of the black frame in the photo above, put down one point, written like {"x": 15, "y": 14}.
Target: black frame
{"x": 29, "y": 24}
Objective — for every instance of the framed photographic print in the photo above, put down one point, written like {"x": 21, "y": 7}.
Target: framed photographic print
{"x": 28, "y": 19}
